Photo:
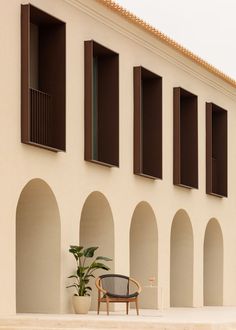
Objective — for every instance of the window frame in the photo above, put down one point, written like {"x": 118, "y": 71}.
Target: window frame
{"x": 147, "y": 123}
{"x": 185, "y": 150}
{"x": 108, "y": 151}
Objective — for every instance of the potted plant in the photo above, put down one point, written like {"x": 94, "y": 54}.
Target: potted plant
{"x": 85, "y": 268}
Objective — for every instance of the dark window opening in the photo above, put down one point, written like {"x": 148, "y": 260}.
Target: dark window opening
{"x": 43, "y": 79}
{"x": 101, "y": 104}
{"x": 216, "y": 150}
{"x": 147, "y": 123}
{"x": 185, "y": 139}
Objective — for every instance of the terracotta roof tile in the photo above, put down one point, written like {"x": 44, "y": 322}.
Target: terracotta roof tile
{"x": 164, "y": 38}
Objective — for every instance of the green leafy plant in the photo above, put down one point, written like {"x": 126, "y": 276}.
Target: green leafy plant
{"x": 85, "y": 268}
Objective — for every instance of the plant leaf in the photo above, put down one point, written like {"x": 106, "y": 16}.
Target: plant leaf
{"x": 73, "y": 276}
{"x": 99, "y": 265}
{"x": 72, "y": 286}
{"x": 89, "y": 252}
{"x": 103, "y": 258}
{"x": 76, "y": 251}
{"x": 76, "y": 248}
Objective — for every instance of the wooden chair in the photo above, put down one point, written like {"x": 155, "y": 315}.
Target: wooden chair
{"x": 116, "y": 288}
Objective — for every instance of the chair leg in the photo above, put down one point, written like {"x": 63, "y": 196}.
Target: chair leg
{"x": 98, "y": 306}
{"x": 127, "y": 307}
{"x": 107, "y": 301}
{"x": 136, "y": 304}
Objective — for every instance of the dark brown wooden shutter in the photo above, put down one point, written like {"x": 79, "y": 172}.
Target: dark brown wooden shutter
{"x": 176, "y": 136}
{"x": 88, "y": 98}
{"x": 107, "y": 105}
{"x": 25, "y": 57}
{"x": 209, "y": 148}
{"x": 147, "y": 123}
{"x": 137, "y": 121}
{"x": 216, "y": 151}
{"x": 185, "y": 139}
{"x": 43, "y": 88}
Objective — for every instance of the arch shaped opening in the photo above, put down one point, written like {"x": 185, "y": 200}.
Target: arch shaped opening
{"x": 213, "y": 264}
{"x": 37, "y": 250}
{"x": 181, "y": 261}
{"x": 144, "y": 252}
{"x": 97, "y": 229}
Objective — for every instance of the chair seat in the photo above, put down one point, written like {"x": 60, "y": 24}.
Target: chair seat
{"x": 127, "y": 296}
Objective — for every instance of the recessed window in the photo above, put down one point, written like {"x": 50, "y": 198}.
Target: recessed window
{"x": 42, "y": 79}
{"x": 185, "y": 139}
{"x": 101, "y": 104}
{"x": 147, "y": 123}
{"x": 216, "y": 150}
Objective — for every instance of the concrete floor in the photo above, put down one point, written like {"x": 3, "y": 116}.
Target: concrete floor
{"x": 207, "y": 318}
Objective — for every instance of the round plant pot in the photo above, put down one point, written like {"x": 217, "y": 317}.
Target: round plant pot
{"x": 81, "y": 304}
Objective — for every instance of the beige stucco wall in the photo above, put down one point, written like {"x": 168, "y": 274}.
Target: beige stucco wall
{"x": 144, "y": 253}
{"x": 37, "y": 250}
{"x": 72, "y": 180}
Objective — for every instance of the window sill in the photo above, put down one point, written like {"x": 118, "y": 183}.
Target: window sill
{"x": 101, "y": 163}
{"x": 147, "y": 176}
{"x": 44, "y": 146}
{"x": 217, "y": 195}
{"x": 182, "y": 185}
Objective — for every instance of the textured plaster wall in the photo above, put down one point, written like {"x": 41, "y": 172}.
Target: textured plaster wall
{"x": 144, "y": 253}
{"x": 37, "y": 250}
{"x": 213, "y": 264}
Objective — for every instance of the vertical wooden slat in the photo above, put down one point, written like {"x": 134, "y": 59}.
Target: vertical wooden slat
{"x": 25, "y": 60}
{"x": 225, "y": 154}
{"x": 37, "y": 118}
{"x": 40, "y": 105}
{"x": 176, "y": 137}
{"x": 88, "y": 98}
{"x": 137, "y": 143}
{"x": 209, "y": 185}
{"x": 43, "y": 122}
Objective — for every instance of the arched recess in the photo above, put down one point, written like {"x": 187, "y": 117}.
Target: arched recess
{"x": 144, "y": 252}
{"x": 213, "y": 264}
{"x": 181, "y": 261}
{"x": 97, "y": 229}
{"x": 37, "y": 250}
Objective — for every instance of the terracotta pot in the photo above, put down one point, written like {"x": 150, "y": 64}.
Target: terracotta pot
{"x": 81, "y": 304}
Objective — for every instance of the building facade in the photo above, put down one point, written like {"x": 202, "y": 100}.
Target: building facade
{"x": 117, "y": 137}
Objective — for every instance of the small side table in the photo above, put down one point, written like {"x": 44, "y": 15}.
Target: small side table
{"x": 160, "y": 295}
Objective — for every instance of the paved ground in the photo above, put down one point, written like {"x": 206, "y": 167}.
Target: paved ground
{"x": 207, "y": 318}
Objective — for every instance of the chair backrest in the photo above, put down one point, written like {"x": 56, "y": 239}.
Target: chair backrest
{"x": 115, "y": 284}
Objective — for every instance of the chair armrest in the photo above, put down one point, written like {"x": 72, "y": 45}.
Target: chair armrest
{"x": 137, "y": 284}
{"x": 97, "y": 283}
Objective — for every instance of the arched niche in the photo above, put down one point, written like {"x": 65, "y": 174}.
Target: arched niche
{"x": 181, "y": 261}
{"x": 97, "y": 229}
{"x": 37, "y": 250}
{"x": 144, "y": 252}
{"x": 213, "y": 264}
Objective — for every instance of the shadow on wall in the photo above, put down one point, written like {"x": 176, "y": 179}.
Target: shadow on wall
{"x": 181, "y": 261}
{"x": 97, "y": 229}
{"x": 37, "y": 250}
{"x": 144, "y": 253}
{"x": 213, "y": 264}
